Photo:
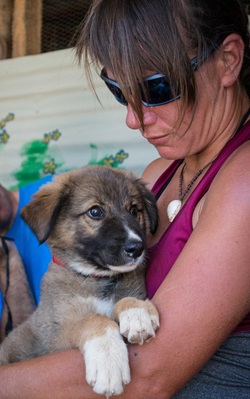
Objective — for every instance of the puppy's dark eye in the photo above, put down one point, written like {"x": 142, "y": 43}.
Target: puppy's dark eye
{"x": 134, "y": 210}
{"x": 96, "y": 212}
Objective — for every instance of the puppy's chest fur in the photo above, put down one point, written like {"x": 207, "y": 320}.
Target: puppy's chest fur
{"x": 67, "y": 294}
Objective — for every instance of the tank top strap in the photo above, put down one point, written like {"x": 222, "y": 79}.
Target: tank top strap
{"x": 165, "y": 178}
{"x": 164, "y": 253}
{"x": 235, "y": 142}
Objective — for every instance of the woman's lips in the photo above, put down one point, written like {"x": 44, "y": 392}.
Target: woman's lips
{"x": 156, "y": 139}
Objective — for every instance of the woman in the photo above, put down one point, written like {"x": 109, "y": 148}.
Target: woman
{"x": 182, "y": 69}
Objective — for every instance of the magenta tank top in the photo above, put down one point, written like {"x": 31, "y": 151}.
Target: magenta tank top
{"x": 164, "y": 253}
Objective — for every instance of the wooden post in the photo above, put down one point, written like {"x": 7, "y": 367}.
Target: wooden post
{"x": 5, "y": 28}
{"x": 26, "y": 27}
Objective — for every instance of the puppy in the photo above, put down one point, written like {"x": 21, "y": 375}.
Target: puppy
{"x": 95, "y": 220}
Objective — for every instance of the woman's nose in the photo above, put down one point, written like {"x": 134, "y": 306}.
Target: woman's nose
{"x": 132, "y": 120}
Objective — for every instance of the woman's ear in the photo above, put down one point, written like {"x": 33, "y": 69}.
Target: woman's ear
{"x": 232, "y": 57}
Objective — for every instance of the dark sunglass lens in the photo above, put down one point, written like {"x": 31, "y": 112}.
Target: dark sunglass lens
{"x": 157, "y": 91}
{"x": 116, "y": 91}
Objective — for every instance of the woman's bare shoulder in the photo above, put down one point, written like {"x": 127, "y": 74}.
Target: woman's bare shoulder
{"x": 154, "y": 170}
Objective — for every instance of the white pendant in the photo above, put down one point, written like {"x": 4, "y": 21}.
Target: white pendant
{"x": 173, "y": 209}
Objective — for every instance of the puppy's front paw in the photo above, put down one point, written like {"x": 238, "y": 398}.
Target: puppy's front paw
{"x": 107, "y": 364}
{"x": 138, "y": 319}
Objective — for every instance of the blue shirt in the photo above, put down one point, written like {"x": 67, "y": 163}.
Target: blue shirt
{"x": 35, "y": 257}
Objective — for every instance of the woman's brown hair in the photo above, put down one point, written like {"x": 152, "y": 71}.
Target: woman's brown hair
{"x": 130, "y": 37}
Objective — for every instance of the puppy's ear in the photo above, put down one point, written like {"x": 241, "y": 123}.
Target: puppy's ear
{"x": 41, "y": 213}
{"x": 151, "y": 208}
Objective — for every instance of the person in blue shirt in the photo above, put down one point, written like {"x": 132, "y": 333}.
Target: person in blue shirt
{"x": 35, "y": 257}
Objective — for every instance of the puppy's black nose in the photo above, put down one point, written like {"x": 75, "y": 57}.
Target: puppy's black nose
{"x": 134, "y": 248}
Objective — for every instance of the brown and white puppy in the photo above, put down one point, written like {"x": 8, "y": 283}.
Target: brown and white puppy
{"x": 95, "y": 220}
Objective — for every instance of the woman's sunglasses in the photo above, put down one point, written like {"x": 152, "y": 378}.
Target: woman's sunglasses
{"x": 156, "y": 89}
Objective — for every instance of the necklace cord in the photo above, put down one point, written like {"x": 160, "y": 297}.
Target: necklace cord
{"x": 182, "y": 195}
{"x": 175, "y": 206}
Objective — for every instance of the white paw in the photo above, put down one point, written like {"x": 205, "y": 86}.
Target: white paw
{"x": 138, "y": 325}
{"x": 107, "y": 364}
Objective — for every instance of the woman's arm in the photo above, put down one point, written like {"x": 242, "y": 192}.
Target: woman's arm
{"x": 59, "y": 375}
{"x": 207, "y": 292}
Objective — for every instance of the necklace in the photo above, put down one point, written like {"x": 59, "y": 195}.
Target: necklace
{"x": 175, "y": 206}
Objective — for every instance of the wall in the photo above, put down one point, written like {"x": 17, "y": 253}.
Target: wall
{"x": 50, "y": 121}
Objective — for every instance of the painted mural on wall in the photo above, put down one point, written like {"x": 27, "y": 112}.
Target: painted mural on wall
{"x": 38, "y": 159}
{"x": 4, "y": 136}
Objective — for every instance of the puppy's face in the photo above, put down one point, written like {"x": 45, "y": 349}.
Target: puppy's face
{"x": 95, "y": 219}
